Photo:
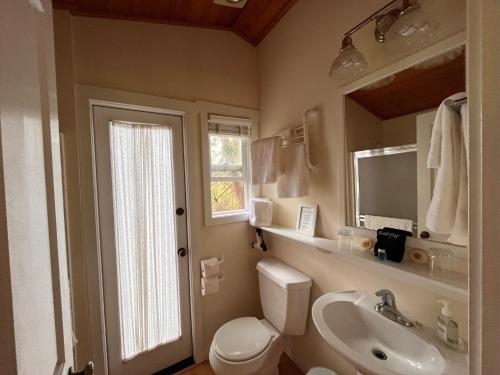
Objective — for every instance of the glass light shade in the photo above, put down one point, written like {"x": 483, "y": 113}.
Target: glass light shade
{"x": 348, "y": 64}
{"x": 412, "y": 29}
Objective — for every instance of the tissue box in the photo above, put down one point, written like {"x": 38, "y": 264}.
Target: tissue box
{"x": 261, "y": 212}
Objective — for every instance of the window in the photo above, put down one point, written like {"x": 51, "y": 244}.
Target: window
{"x": 226, "y": 141}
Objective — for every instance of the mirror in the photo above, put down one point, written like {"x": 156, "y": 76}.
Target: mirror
{"x": 388, "y": 128}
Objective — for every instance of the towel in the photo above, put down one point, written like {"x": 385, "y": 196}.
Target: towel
{"x": 293, "y": 180}
{"x": 460, "y": 232}
{"x": 261, "y": 212}
{"x": 265, "y": 156}
{"x": 377, "y": 222}
{"x": 447, "y": 212}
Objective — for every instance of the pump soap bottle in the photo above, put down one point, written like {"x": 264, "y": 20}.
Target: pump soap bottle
{"x": 447, "y": 328}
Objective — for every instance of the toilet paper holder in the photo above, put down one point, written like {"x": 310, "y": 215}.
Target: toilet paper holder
{"x": 259, "y": 243}
{"x": 208, "y": 263}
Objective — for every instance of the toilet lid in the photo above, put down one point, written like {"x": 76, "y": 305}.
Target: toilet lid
{"x": 241, "y": 339}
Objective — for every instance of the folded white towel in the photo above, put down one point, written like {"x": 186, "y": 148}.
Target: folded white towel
{"x": 261, "y": 212}
{"x": 378, "y": 222}
{"x": 293, "y": 180}
{"x": 265, "y": 156}
{"x": 448, "y": 208}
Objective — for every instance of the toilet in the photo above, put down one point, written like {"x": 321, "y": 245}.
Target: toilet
{"x": 248, "y": 346}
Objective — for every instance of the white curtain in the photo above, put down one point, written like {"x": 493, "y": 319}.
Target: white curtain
{"x": 145, "y": 235}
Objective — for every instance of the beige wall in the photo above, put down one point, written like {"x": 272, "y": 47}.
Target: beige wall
{"x": 166, "y": 61}
{"x": 294, "y": 61}
{"x": 483, "y": 82}
{"x": 400, "y": 130}
{"x": 363, "y": 130}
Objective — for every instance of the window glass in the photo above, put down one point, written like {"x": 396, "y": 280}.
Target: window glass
{"x": 228, "y": 173}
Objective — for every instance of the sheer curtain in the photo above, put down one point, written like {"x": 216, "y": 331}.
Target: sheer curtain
{"x": 143, "y": 198}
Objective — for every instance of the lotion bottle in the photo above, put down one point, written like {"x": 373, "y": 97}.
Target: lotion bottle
{"x": 447, "y": 328}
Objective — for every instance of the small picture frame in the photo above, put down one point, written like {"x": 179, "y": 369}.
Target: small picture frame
{"x": 306, "y": 219}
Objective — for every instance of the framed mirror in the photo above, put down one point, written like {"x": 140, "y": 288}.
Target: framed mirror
{"x": 388, "y": 132}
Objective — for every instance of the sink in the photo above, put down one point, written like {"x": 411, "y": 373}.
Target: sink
{"x": 375, "y": 345}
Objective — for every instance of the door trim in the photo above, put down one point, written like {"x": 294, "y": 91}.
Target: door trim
{"x": 85, "y": 98}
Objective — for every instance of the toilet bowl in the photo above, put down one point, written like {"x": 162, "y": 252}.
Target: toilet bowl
{"x": 248, "y": 346}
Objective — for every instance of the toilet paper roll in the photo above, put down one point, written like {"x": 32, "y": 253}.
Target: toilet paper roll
{"x": 209, "y": 285}
{"x": 210, "y": 267}
{"x": 419, "y": 256}
{"x": 362, "y": 243}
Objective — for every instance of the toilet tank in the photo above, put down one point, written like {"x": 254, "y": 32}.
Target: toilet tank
{"x": 284, "y": 295}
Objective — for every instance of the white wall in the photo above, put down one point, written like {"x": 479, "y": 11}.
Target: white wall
{"x": 484, "y": 176}
{"x": 294, "y": 62}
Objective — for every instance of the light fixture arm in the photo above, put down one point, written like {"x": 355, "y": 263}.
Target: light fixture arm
{"x": 373, "y": 16}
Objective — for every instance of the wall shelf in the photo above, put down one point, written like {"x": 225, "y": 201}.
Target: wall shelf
{"x": 451, "y": 284}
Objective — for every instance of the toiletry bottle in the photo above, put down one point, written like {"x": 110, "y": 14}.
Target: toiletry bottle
{"x": 447, "y": 328}
{"x": 382, "y": 255}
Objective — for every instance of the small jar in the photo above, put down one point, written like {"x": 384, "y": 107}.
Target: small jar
{"x": 382, "y": 255}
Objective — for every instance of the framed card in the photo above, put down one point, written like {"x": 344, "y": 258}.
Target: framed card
{"x": 306, "y": 219}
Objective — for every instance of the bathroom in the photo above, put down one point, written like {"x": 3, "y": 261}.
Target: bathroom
{"x": 269, "y": 72}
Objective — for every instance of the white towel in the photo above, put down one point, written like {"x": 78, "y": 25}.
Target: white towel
{"x": 293, "y": 180}
{"x": 265, "y": 155}
{"x": 378, "y": 222}
{"x": 261, "y": 212}
{"x": 460, "y": 233}
{"x": 447, "y": 212}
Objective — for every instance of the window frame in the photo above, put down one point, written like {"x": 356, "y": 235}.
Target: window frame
{"x": 206, "y": 109}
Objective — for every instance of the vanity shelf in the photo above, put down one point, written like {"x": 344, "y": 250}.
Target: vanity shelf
{"x": 451, "y": 284}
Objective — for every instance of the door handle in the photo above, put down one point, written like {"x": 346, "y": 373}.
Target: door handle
{"x": 87, "y": 370}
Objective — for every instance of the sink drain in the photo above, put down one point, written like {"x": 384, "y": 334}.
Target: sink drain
{"x": 379, "y": 354}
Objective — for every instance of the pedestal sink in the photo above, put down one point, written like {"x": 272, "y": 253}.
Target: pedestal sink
{"x": 375, "y": 345}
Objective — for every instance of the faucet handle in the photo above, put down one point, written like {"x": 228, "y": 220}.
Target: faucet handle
{"x": 387, "y": 297}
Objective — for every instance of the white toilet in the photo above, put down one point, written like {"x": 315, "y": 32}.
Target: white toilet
{"x": 247, "y": 346}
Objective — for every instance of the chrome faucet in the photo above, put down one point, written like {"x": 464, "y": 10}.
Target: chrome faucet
{"x": 387, "y": 307}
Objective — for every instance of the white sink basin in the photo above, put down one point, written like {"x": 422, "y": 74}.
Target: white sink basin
{"x": 373, "y": 344}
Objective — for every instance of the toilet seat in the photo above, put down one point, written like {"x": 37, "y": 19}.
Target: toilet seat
{"x": 241, "y": 339}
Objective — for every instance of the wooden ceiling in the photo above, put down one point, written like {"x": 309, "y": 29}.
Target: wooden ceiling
{"x": 252, "y": 22}
{"x": 414, "y": 90}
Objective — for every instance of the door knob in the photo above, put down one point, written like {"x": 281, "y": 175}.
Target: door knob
{"x": 87, "y": 370}
{"x": 182, "y": 252}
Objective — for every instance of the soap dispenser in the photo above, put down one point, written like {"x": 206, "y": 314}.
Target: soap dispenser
{"x": 447, "y": 328}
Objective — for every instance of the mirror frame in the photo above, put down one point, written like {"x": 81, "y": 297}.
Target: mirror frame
{"x": 443, "y": 46}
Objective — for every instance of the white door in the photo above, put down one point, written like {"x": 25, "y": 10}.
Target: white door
{"x": 141, "y": 201}
{"x": 35, "y": 313}
{"x": 425, "y": 176}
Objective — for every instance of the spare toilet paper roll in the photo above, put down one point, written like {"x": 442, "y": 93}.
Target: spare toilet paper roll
{"x": 419, "y": 256}
{"x": 362, "y": 243}
{"x": 210, "y": 267}
{"x": 209, "y": 285}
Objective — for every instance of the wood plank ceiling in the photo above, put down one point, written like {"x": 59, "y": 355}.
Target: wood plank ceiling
{"x": 252, "y": 22}
{"x": 414, "y": 90}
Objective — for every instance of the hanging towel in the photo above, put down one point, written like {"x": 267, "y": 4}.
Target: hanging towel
{"x": 460, "y": 232}
{"x": 265, "y": 155}
{"x": 447, "y": 212}
{"x": 377, "y": 222}
{"x": 293, "y": 180}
